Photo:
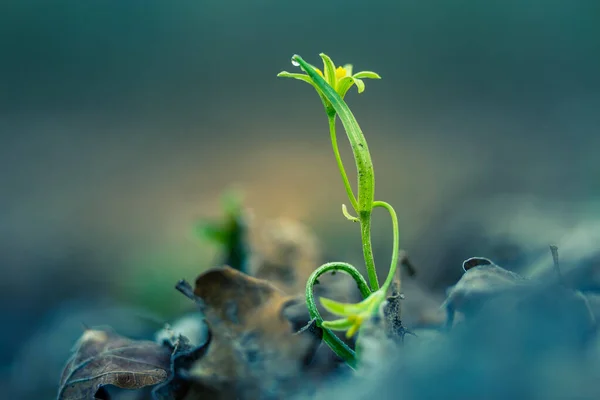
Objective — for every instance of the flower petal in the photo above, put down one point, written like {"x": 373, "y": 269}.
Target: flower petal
{"x": 366, "y": 74}
{"x": 328, "y": 69}
{"x": 340, "y": 72}
{"x": 338, "y": 324}
{"x": 352, "y": 309}
{"x": 360, "y": 85}
{"x": 348, "y": 68}
{"x": 352, "y": 331}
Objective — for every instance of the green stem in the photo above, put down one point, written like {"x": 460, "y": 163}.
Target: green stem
{"x": 336, "y": 344}
{"x": 365, "y": 232}
{"x": 331, "y": 117}
{"x": 396, "y": 242}
{"x": 364, "y": 165}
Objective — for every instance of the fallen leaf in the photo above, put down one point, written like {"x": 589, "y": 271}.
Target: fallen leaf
{"x": 285, "y": 253}
{"x": 481, "y": 281}
{"x": 183, "y": 355}
{"x": 254, "y": 350}
{"x": 102, "y": 357}
{"x": 485, "y": 287}
{"x": 232, "y": 297}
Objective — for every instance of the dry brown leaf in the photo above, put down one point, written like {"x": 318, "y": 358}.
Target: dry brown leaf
{"x": 254, "y": 351}
{"x": 103, "y": 358}
{"x": 285, "y": 253}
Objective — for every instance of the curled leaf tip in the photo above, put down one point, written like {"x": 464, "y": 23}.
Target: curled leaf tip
{"x": 348, "y": 215}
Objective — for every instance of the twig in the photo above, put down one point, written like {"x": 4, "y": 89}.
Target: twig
{"x": 408, "y": 266}
{"x": 186, "y": 289}
{"x": 554, "y": 251}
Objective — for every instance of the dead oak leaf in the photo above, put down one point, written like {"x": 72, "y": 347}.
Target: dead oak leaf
{"x": 102, "y": 358}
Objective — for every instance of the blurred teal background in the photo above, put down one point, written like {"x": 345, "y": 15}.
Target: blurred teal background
{"x": 122, "y": 122}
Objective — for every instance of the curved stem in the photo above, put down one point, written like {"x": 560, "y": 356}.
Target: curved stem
{"x": 365, "y": 232}
{"x": 336, "y": 344}
{"x": 331, "y": 117}
{"x": 396, "y": 242}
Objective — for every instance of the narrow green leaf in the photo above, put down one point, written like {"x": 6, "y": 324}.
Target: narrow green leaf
{"x": 212, "y": 232}
{"x": 344, "y": 85}
{"x": 306, "y": 78}
{"x": 302, "y": 77}
{"x": 362, "y": 157}
{"x": 347, "y": 214}
{"x": 360, "y": 85}
{"x": 337, "y": 325}
{"x": 328, "y": 69}
{"x": 366, "y": 74}
{"x": 342, "y": 309}
{"x": 345, "y": 309}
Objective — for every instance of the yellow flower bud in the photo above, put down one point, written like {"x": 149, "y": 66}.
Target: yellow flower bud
{"x": 340, "y": 73}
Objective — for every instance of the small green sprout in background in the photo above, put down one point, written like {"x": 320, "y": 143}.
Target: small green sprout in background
{"x": 332, "y": 86}
{"x": 231, "y": 233}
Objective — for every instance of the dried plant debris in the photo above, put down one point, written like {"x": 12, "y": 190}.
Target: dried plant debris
{"x": 481, "y": 281}
{"x": 391, "y": 310}
{"x": 192, "y": 326}
{"x": 285, "y": 253}
{"x": 183, "y": 355}
{"x": 485, "y": 285}
{"x": 381, "y": 335}
{"x": 254, "y": 351}
{"x": 251, "y": 338}
{"x": 102, "y": 358}
{"x": 375, "y": 344}
{"x": 510, "y": 346}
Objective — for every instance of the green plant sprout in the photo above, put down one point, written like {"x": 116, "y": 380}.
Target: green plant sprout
{"x": 230, "y": 234}
{"x": 332, "y": 86}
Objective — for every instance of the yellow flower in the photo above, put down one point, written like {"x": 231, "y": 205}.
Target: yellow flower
{"x": 340, "y": 78}
{"x": 355, "y": 314}
{"x": 340, "y": 73}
